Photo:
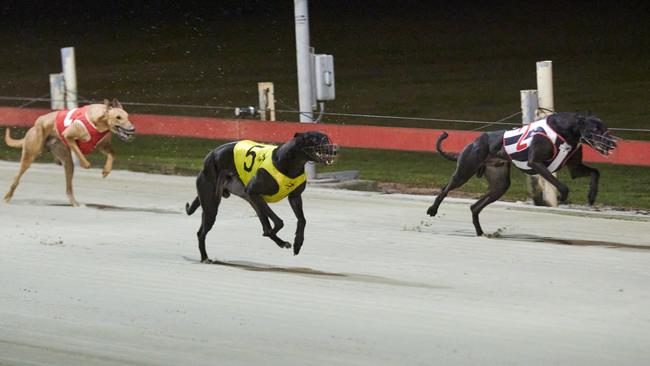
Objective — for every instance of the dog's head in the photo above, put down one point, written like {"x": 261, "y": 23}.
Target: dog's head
{"x": 317, "y": 146}
{"x": 595, "y": 134}
{"x": 118, "y": 120}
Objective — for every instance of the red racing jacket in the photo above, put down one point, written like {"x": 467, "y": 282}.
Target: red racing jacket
{"x": 66, "y": 117}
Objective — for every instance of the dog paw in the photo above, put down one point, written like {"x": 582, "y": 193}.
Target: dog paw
{"x": 296, "y": 249}
{"x": 207, "y": 261}
{"x": 564, "y": 195}
{"x": 591, "y": 200}
{"x": 432, "y": 211}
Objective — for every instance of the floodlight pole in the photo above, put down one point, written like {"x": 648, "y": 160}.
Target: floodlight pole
{"x": 303, "y": 61}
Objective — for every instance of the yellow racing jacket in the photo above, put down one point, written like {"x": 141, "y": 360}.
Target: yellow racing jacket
{"x": 251, "y": 156}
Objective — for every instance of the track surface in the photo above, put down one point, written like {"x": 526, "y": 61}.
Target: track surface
{"x": 378, "y": 283}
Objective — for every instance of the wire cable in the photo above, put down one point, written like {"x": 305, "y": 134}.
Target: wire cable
{"x": 32, "y": 100}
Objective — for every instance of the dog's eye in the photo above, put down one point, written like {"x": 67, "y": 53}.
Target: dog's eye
{"x": 119, "y": 117}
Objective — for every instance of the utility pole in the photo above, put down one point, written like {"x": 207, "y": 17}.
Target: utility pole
{"x": 303, "y": 58}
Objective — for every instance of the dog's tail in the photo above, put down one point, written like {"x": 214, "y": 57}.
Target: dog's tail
{"x": 189, "y": 209}
{"x": 12, "y": 142}
{"x": 446, "y": 155}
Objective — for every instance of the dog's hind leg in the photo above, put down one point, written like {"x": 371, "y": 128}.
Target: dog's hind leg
{"x": 189, "y": 209}
{"x": 209, "y": 195}
{"x": 469, "y": 161}
{"x": 32, "y": 147}
{"x": 498, "y": 177}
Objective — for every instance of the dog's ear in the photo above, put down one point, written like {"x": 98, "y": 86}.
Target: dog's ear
{"x": 116, "y": 104}
{"x": 298, "y": 134}
{"x": 107, "y": 103}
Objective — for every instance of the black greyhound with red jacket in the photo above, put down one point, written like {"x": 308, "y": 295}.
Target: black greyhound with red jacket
{"x": 541, "y": 147}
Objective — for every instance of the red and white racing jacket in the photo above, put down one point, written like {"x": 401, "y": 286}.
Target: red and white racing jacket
{"x": 65, "y": 118}
{"x": 516, "y": 143}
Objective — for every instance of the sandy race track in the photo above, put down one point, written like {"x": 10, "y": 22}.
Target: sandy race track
{"x": 117, "y": 282}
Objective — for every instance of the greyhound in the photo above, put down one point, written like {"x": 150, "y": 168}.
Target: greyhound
{"x": 79, "y": 130}
{"x": 259, "y": 174}
{"x": 541, "y": 147}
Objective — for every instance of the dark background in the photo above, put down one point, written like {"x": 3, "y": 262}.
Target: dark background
{"x": 417, "y": 58}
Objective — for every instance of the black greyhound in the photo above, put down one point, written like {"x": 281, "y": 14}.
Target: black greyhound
{"x": 259, "y": 174}
{"x": 541, "y": 147}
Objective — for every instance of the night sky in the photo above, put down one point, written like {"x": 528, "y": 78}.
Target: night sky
{"x": 382, "y": 49}
{"x": 22, "y": 14}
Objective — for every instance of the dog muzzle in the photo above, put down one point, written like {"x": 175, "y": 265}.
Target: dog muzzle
{"x": 603, "y": 143}
{"x": 125, "y": 134}
{"x": 322, "y": 154}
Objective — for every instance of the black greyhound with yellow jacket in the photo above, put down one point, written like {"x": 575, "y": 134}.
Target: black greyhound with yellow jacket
{"x": 260, "y": 174}
{"x": 541, "y": 147}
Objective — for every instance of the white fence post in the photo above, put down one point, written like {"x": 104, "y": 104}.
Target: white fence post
{"x": 529, "y": 107}
{"x": 266, "y": 100}
{"x": 546, "y": 106}
{"x": 303, "y": 58}
{"x": 70, "y": 77}
{"x": 57, "y": 91}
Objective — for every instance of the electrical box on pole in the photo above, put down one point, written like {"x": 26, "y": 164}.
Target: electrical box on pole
{"x": 324, "y": 89}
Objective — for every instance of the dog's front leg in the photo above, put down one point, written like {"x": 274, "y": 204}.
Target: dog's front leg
{"x": 105, "y": 147}
{"x": 71, "y": 135}
{"x": 541, "y": 150}
{"x": 541, "y": 169}
{"x": 61, "y": 152}
{"x": 578, "y": 169}
{"x": 295, "y": 200}
{"x": 263, "y": 212}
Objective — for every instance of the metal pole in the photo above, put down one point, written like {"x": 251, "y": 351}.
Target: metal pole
{"x": 70, "y": 76}
{"x": 57, "y": 91}
{"x": 303, "y": 61}
{"x": 546, "y": 106}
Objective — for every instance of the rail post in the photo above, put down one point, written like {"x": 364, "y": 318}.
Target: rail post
{"x": 546, "y": 107}
{"x": 70, "y": 77}
{"x": 266, "y": 101}
{"x": 529, "y": 107}
{"x": 57, "y": 91}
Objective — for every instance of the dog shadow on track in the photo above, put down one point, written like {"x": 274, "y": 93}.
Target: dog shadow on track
{"x": 309, "y": 272}
{"x": 574, "y": 242}
{"x": 97, "y": 206}
{"x": 499, "y": 235}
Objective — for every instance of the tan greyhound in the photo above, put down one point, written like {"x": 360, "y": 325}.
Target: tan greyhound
{"x": 78, "y": 131}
